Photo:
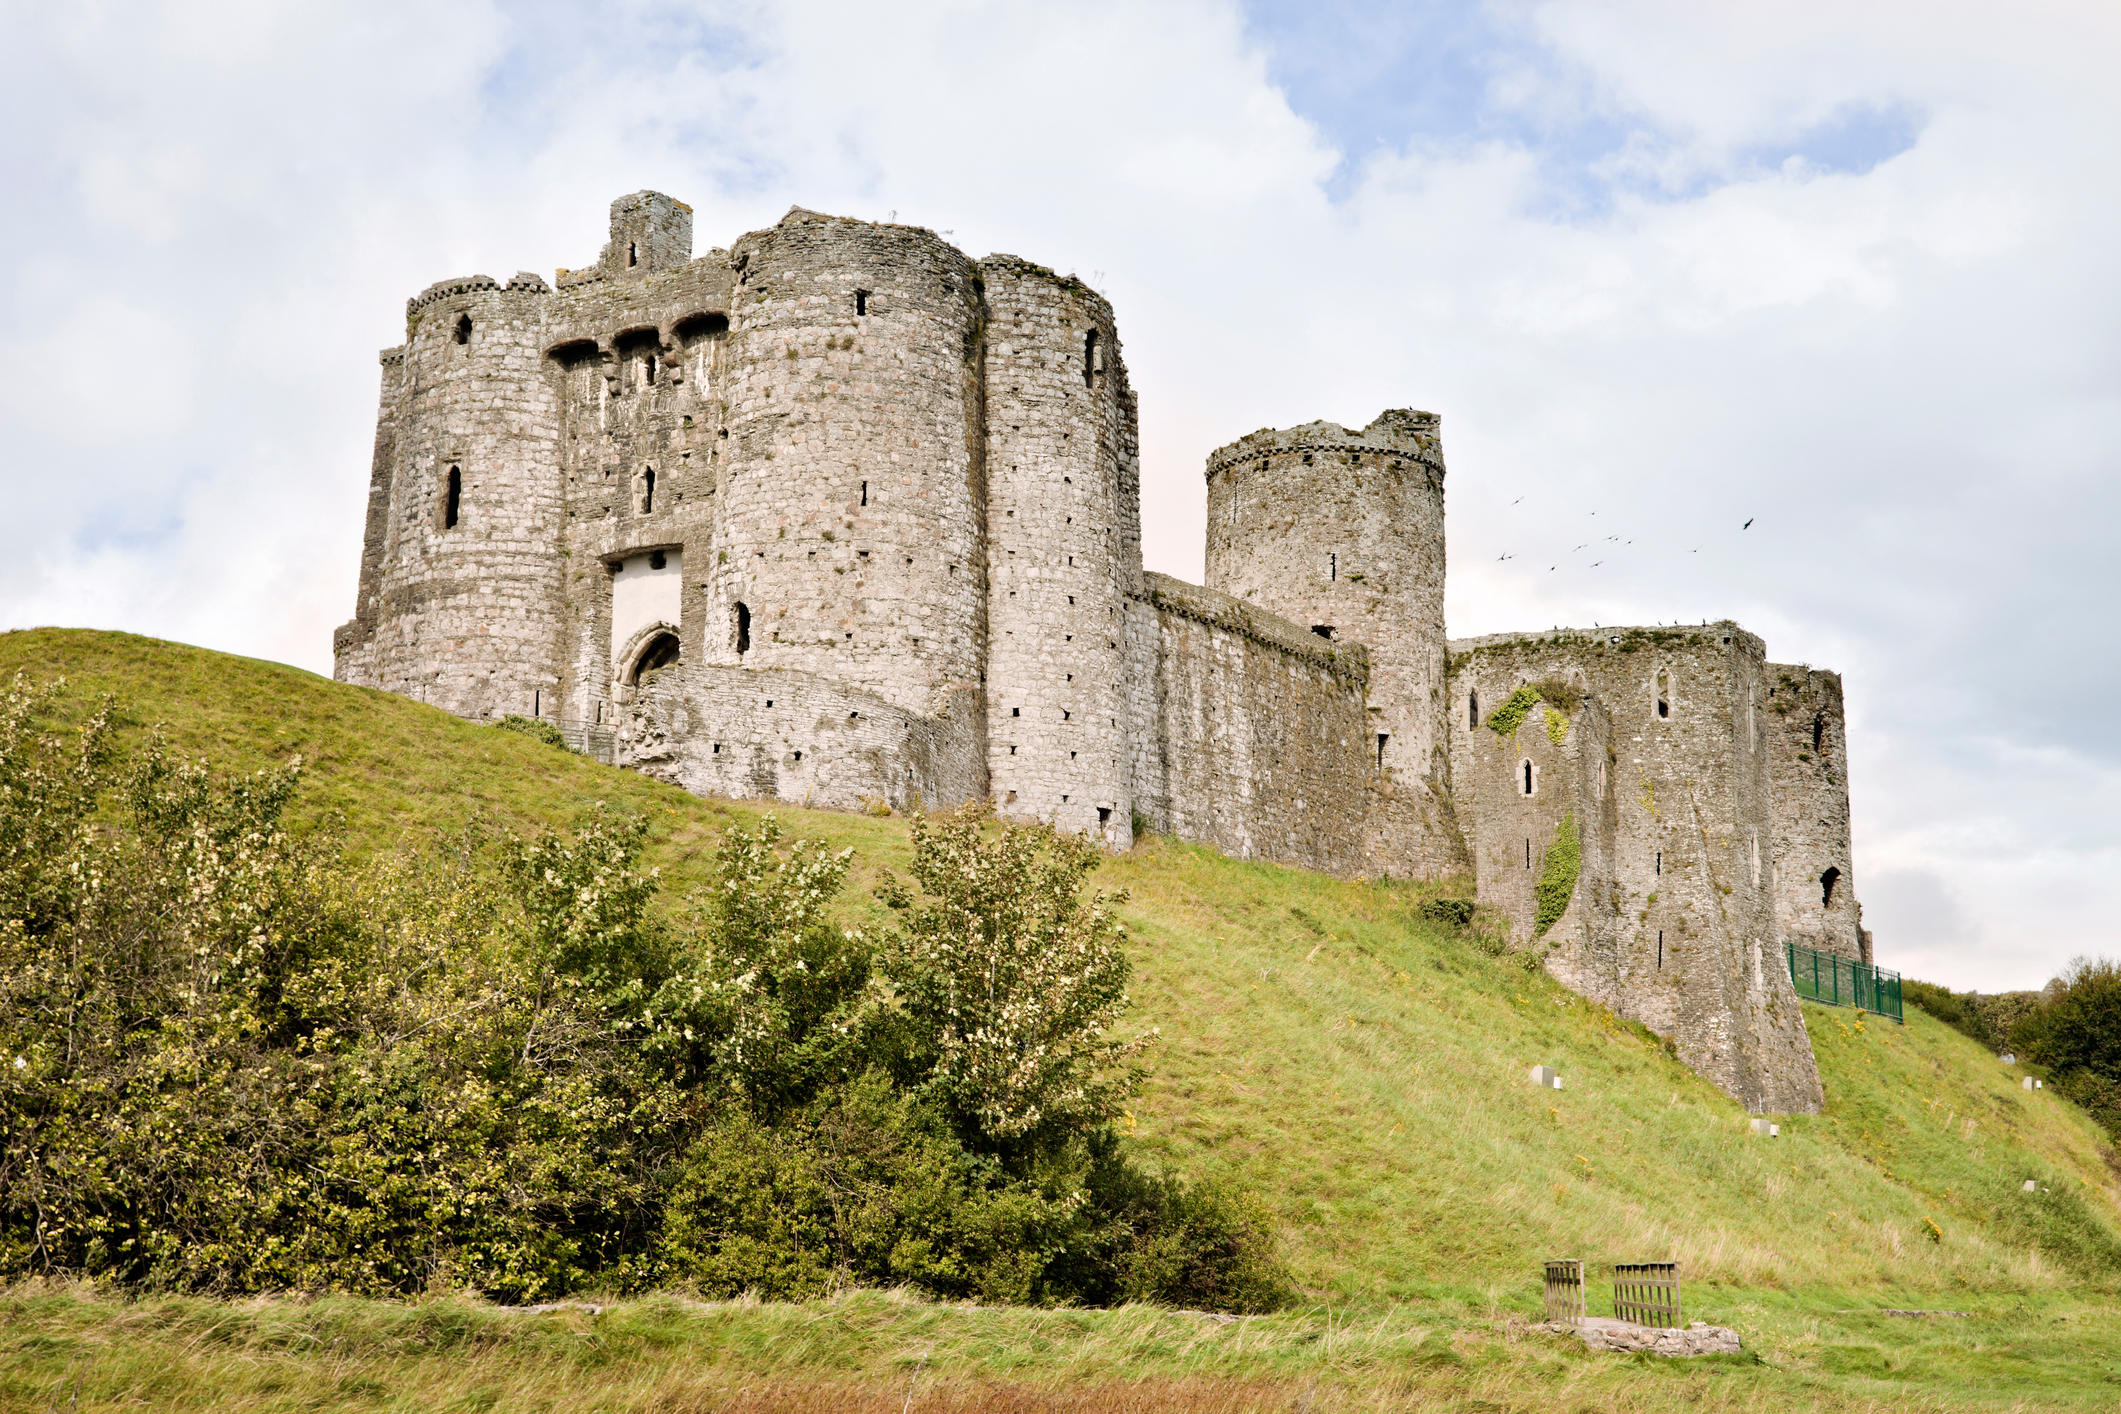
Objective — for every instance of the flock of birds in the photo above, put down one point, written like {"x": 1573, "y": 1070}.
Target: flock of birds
{"x": 1610, "y": 539}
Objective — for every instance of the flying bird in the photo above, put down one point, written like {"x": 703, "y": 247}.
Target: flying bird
{"x": 1520, "y": 498}
{"x": 1748, "y": 524}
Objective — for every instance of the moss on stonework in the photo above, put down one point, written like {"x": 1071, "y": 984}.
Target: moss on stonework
{"x": 1506, "y": 719}
{"x": 1557, "y": 876}
{"x": 1557, "y": 726}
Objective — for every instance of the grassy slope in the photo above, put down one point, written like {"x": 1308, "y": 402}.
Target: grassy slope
{"x": 1362, "y": 1069}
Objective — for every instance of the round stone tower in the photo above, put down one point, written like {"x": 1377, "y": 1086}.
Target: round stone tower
{"x": 466, "y": 602}
{"x": 850, "y": 535}
{"x": 1343, "y": 532}
{"x": 1064, "y": 550}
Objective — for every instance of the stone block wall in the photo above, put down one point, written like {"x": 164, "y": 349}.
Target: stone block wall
{"x": 1260, "y": 734}
{"x": 1815, "y": 877}
{"x": 1693, "y": 951}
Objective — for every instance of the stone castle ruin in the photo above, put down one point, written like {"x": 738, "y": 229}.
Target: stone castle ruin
{"x": 840, "y": 516}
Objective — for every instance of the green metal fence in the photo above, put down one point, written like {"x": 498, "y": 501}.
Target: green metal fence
{"x": 1842, "y": 981}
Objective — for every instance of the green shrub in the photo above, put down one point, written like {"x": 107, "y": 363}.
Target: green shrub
{"x": 1451, "y": 912}
{"x": 232, "y": 1061}
{"x": 536, "y": 728}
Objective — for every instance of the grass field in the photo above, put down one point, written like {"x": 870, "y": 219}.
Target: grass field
{"x": 1361, "y": 1068}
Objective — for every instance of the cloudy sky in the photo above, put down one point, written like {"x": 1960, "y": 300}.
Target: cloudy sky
{"x": 1852, "y": 271}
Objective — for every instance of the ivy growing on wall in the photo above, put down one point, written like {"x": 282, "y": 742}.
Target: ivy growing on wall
{"x": 1557, "y": 876}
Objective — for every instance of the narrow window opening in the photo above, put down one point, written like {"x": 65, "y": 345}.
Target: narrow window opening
{"x": 1016, "y": 711}
{"x": 537, "y": 703}
{"x": 1818, "y": 729}
{"x": 1472, "y": 710}
{"x": 865, "y": 500}
{"x": 1089, "y": 358}
{"x": 1382, "y": 738}
{"x": 1826, "y": 886}
{"x": 861, "y": 302}
{"x": 648, "y": 370}
{"x": 454, "y": 500}
{"x": 1333, "y": 565}
{"x": 1660, "y": 949}
{"x": 1322, "y": 630}
{"x": 463, "y": 328}
{"x": 1664, "y": 693}
{"x": 633, "y": 253}
{"x": 1660, "y": 863}
{"x": 656, "y": 559}
{"x": 1528, "y": 776}
{"x": 1104, "y": 814}
{"x": 647, "y": 490}
{"x": 1528, "y": 853}
{"x": 743, "y": 630}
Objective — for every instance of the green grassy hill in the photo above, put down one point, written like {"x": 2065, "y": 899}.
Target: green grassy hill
{"x": 1361, "y": 1068}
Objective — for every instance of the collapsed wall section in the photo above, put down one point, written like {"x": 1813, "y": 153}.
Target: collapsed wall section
{"x": 1693, "y": 952}
{"x": 1259, "y": 745}
{"x": 1815, "y": 884}
{"x": 1342, "y": 531}
{"x": 1063, "y": 552}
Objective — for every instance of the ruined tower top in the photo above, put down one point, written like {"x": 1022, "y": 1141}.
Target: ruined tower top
{"x": 649, "y": 232}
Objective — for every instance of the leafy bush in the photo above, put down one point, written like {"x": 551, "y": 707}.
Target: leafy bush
{"x": 537, "y": 728}
{"x": 232, "y": 1061}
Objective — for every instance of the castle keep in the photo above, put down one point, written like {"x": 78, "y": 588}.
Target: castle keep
{"x": 841, "y": 516}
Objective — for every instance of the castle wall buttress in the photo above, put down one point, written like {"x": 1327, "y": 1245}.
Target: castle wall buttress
{"x": 1063, "y": 553}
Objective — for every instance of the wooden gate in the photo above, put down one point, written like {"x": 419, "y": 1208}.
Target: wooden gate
{"x": 1565, "y": 1291}
{"x": 1647, "y": 1293}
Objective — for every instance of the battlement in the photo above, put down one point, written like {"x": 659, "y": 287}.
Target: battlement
{"x": 1396, "y": 432}
{"x": 1721, "y": 633}
{"x": 649, "y": 232}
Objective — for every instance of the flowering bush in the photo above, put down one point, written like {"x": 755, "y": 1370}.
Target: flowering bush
{"x": 231, "y": 1060}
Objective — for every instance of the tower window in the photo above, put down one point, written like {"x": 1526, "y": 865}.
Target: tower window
{"x": 1382, "y": 738}
{"x": 656, "y": 559}
{"x": 743, "y": 630}
{"x": 1089, "y": 358}
{"x": 453, "y": 499}
{"x": 633, "y": 253}
{"x": 1332, "y": 564}
{"x": 648, "y": 370}
{"x": 1826, "y": 886}
{"x": 1660, "y": 949}
{"x": 1818, "y": 729}
{"x": 463, "y": 328}
{"x": 865, "y": 500}
{"x": 1528, "y": 775}
{"x": 647, "y": 489}
{"x": 861, "y": 302}
{"x": 1663, "y": 693}
{"x": 1472, "y": 710}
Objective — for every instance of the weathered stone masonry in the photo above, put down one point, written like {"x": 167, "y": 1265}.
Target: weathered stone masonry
{"x": 841, "y": 516}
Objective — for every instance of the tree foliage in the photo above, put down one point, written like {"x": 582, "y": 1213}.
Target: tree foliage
{"x": 231, "y": 1060}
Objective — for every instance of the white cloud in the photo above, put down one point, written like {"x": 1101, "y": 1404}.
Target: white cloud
{"x": 1902, "y": 369}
